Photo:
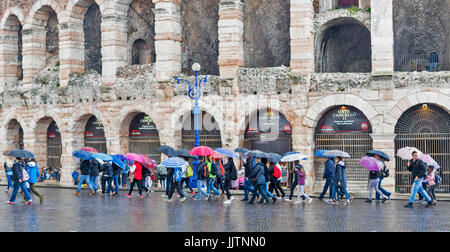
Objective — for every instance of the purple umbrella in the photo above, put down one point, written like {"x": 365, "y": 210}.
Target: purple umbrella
{"x": 370, "y": 163}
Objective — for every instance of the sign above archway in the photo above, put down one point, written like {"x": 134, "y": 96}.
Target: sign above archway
{"x": 94, "y": 129}
{"x": 268, "y": 121}
{"x": 53, "y": 131}
{"x": 343, "y": 119}
{"x": 143, "y": 125}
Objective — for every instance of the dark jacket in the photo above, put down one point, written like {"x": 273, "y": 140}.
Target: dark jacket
{"x": 200, "y": 175}
{"x": 84, "y": 167}
{"x": 329, "y": 169}
{"x": 107, "y": 170}
{"x": 417, "y": 169}
{"x": 229, "y": 168}
{"x": 340, "y": 173}
{"x": 17, "y": 171}
{"x": 267, "y": 172}
{"x": 95, "y": 168}
{"x": 374, "y": 174}
{"x": 271, "y": 170}
{"x": 248, "y": 167}
{"x": 116, "y": 169}
{"x": 258, "y": 173}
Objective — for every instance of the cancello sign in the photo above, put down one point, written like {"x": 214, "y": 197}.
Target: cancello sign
{"x": 344, "y": 119}
{"x": 94, "y": 128}
{"x": 143, "y": 125}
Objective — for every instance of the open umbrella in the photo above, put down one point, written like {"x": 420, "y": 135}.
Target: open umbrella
{"x": 202, "y": 151}
{"x": 379, "y": 153}
{"x": 102, "y": 156}
{"x": 293, "y": 157}
{"x": 147, "y": 162}
{"x": 184, "y": 153}
{"x": 336, "y": 153}
{"x": 174, "y": 162}
{"x": 274, "y": 157}
{"x": 290, "y": 153}
{"x": 227, "y": 152}
{"x": 406, "y": 153}
{"x": 134, "y": 157}
{"x": 167, "y": 150}
{"x": 21, "y": 154}
{"x": 89, "y": 149}
{"x": 5, "y": 153}
{"x": 241, "y": 150}
{"x": 82, "y": 155}
{"x": 257, "y": 154}
{"x": 429, "y": 161}
{"x": 118, "y": 162}
{"x": 319, "y": 153}
{"x": 371, "y": 163}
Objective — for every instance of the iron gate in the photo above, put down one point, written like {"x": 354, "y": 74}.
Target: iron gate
{"x": 437, "y": 145}
{"x": 356, "y": 144}
{"x": 54, "y": 150}
{"x": 211, "y": 139}
{"x": 98, "y": 143}
{"x": 146, "y": 145}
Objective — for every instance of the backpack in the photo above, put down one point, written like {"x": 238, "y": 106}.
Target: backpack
{"x": 276, "y": 172}
{"x": 222, "y": 170}
{"x": 108, "y": 172}
{"x": 213, "y": 169}
{"x": 234, "y": 173}
{"x": 177, "y": 175}
{"x": 25, "y": 176}
{"x": 189, "y": 172}
{"x": 437, "y": 179}
{"x": 205, "y": 170}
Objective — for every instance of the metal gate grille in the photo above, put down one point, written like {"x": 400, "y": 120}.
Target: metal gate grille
{"x": 357, "y": 145}
{"x": 54, "y": 150}
{"x": 436, "y": 145}
{"x": 211, "y": 139}
{"x": 98, "y": 143}
{"x": 146, "y": 145}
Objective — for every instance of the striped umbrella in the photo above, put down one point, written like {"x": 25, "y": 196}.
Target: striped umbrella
{"x": 174, "y": 162}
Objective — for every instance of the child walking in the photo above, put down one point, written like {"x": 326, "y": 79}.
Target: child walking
{"x": 301, "y": 183}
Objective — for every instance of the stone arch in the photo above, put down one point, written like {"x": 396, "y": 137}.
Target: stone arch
{"x": 141, "y": 53}
{"x": 342, "y": 31}
{"x": 11, "y": 46}
{"x": 37, "y": 7}
{"x": 16, "y": 11}
{"x": 14, "y": 134}
{"x": 141, "y": 26}
{"x": 40, "y": 144}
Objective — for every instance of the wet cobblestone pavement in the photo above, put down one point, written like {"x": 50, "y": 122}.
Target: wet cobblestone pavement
{"x": 62, "y": 211}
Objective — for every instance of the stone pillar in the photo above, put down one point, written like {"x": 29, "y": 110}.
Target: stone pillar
{"x": 231, "y": 37}
{"x": 364, "y": 4}
{"x": 34, "y": 50}
{"x": 386, "y": 143}
{"x": 71, "y": 47}
{"x": 382, "y": 34}
{"x": 303, "y": 142}
{"x": 302, "y": 37}
{"x": 8, "y": 55}
{"x": 167, "y": 39}
{"x": 114, "y": 42}
{"x": 70, "y": 143}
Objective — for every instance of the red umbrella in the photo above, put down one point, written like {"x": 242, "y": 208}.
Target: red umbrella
{"x": 216, "y": 155}
{"x": 89, "y": 149}
{"x": 202, "y": 151}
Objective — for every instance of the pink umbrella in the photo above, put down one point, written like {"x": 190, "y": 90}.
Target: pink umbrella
{"x": 89, "y": 149}
{"x": 135, "y": 157}
{"x": 370, "y": 163}
{"x": 147, "y": 162}
{"x": 202, "y": 151}
{"x": 429, "y": 160}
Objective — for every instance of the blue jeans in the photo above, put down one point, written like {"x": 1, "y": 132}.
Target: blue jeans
{"x": 93, "y": 182}
{"x": 382, "y": 190}
{"x": 266, "y": 190}
{"x": 10, "y": 183}
{"x": 16, "y": 187}
{"x": 200, "y": 184}
{"x": 328, "y": 184}
{"x": 211, "y": 186}
{"x": 88, "y": 182}
{"x": 259, "y": 188}
{"x": 433, "y": 67}
{"x": 246, "y": 188}
{"x": 104, "y": 181}
{"x": 115, "y": 178}
{"x": 417, "y": 187}
{"x": 335, "y": 190}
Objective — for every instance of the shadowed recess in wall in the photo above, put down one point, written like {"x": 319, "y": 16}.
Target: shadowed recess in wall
{"x": 141, "y": 32}
{"x": 93, "y": 39}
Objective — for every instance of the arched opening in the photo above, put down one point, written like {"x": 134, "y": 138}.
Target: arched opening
{"x": 266, "y": 33}
{"x": 94, "y": 135}
{"x": 345, "y": 47}
{"x": 45, "y": 21}
{"x": 141, "y": 32}
{"x": 93, "y": 38}
{"x": 427, "y": 128}
{"x": 200, "y": 37}
{"x": 54, "y": 146}
{"x": 209, "y": 131}
{"x": 347, "y": 129}
{"x": 140, "y": 53}
{"x": 12, "y": 50}
{"x": 144, "y": 137}
{"x": 14, "y": 135}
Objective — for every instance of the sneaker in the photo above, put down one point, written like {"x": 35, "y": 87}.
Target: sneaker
{"x": 77, "y": 193}
{"x": 41, "y": 199}
{"x": 6, "y": 191}
{"x": 310, "y": 201}
{"x": 197, "y": 199}
{"x": 140, "y": 196}
{"x": 231, "y": 199}
{"x": 288, "y": 200}
{"x": 164, "y": 196}
{"x": 244, "y": 199}
{"x": 227, "y": 202}
{"x": 335, "y": 202}
{"x": 92, "y": 193}
{"x": 148, "y": 192}
{"x": 193, "y": 194}
{"x": 209, "y": 198}
{"x": 182, "y": 199}
{"x": 274, "y": 200}
{"x": 168, "y": 200}
{"x": 10, "y": 203}
{"x": 298, "y": 202}
{"x": 383, "y": 200}
{"x": 128, "y": 195}
{"x": 29, "y": 202}
{"x": 103, "y": 195}
{"x": 409, "y": 205}
{"x": 368, "y": 201}
{"x": 429, "y": 204}
{"x": 328, "y": 201}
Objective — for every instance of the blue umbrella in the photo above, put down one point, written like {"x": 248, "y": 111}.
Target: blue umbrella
{"x": 118, "y": 162}
{"x": 184, "y": 153}
{"x": 379, "y": 153}
{"x": 85, "y": 155}
{"x": 226, "y": 152}
{"x": 241, "y": 150}
{"x": 257, "y": 154}
{"x": 319, "y": 153}
{"x": 167, "y": 150}
{"x": 290, "y": 153}
{"x": 274, "y": 157}
{"x": 21, "y": 154}
{"x": 102, "y": 156}
{"x": 174, "y": 162}
{"x": 122, "y": 157}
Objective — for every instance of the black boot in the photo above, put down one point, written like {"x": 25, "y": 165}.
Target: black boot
{"x": 409, "y": 205}
{"x": 274, "y": 199}
{"x": 261, "y": 201}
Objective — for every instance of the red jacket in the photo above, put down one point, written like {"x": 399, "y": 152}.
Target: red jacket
{"x": 138, "y": 171}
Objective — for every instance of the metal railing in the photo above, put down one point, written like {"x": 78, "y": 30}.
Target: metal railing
{"x": 420, "y": 63}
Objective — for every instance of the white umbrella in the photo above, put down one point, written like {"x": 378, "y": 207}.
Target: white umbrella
{"x": 336, "y": 153}
{"x": 293, "y": 157}
{"x": 406, "y": 153}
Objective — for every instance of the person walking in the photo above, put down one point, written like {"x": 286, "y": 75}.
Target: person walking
{"x": 418, "y": 172}
{"x": 430, "y": 180}
{"x": 384, "y": 173}
{"x": 202, "y": 174}
{"x": 176, "y": 186}
{"x": 267, "y": 177}
{"x": 340, "y": 182}
{"x": 213, "y": 171}
{"x": 373, "y": 186}
{"x": 258, "y": 180}
{"x": 107, "y": 174}
{"x": 295, "y": 180}
{"x": 328, "y": 175}
{"x": 301, "y": 184}
{"x": 248, "y": 170}
{"x": 115, "y": 178}
{"x": 219, "y": 177}
{"x": 93, "y": 173}
{"x": 275, "y": 180}
{"x": 187, "y": 173}
{"x": 146, "y": 181}
{"x": 33, "y": 172}
{"x": 84, "y": 177}
{"x": 19, "y": 178}
{"x": 9, "y": 172}
{"x": 230, "y": 174}
{"x": 136, "y": 179}
{"x": 434, "y": 60}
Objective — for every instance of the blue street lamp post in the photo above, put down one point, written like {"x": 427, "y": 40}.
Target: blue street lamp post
{"x": 195, "y": 93}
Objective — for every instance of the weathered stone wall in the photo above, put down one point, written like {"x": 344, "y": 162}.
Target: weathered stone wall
{"x": 421, "y": 27}
{"x": 266, "y": 33}
{"x": 52, "y": 36}
{"x": 200, "y": 42}
{"x": 141, "y": 26}
{"x": 93, "y": 39}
